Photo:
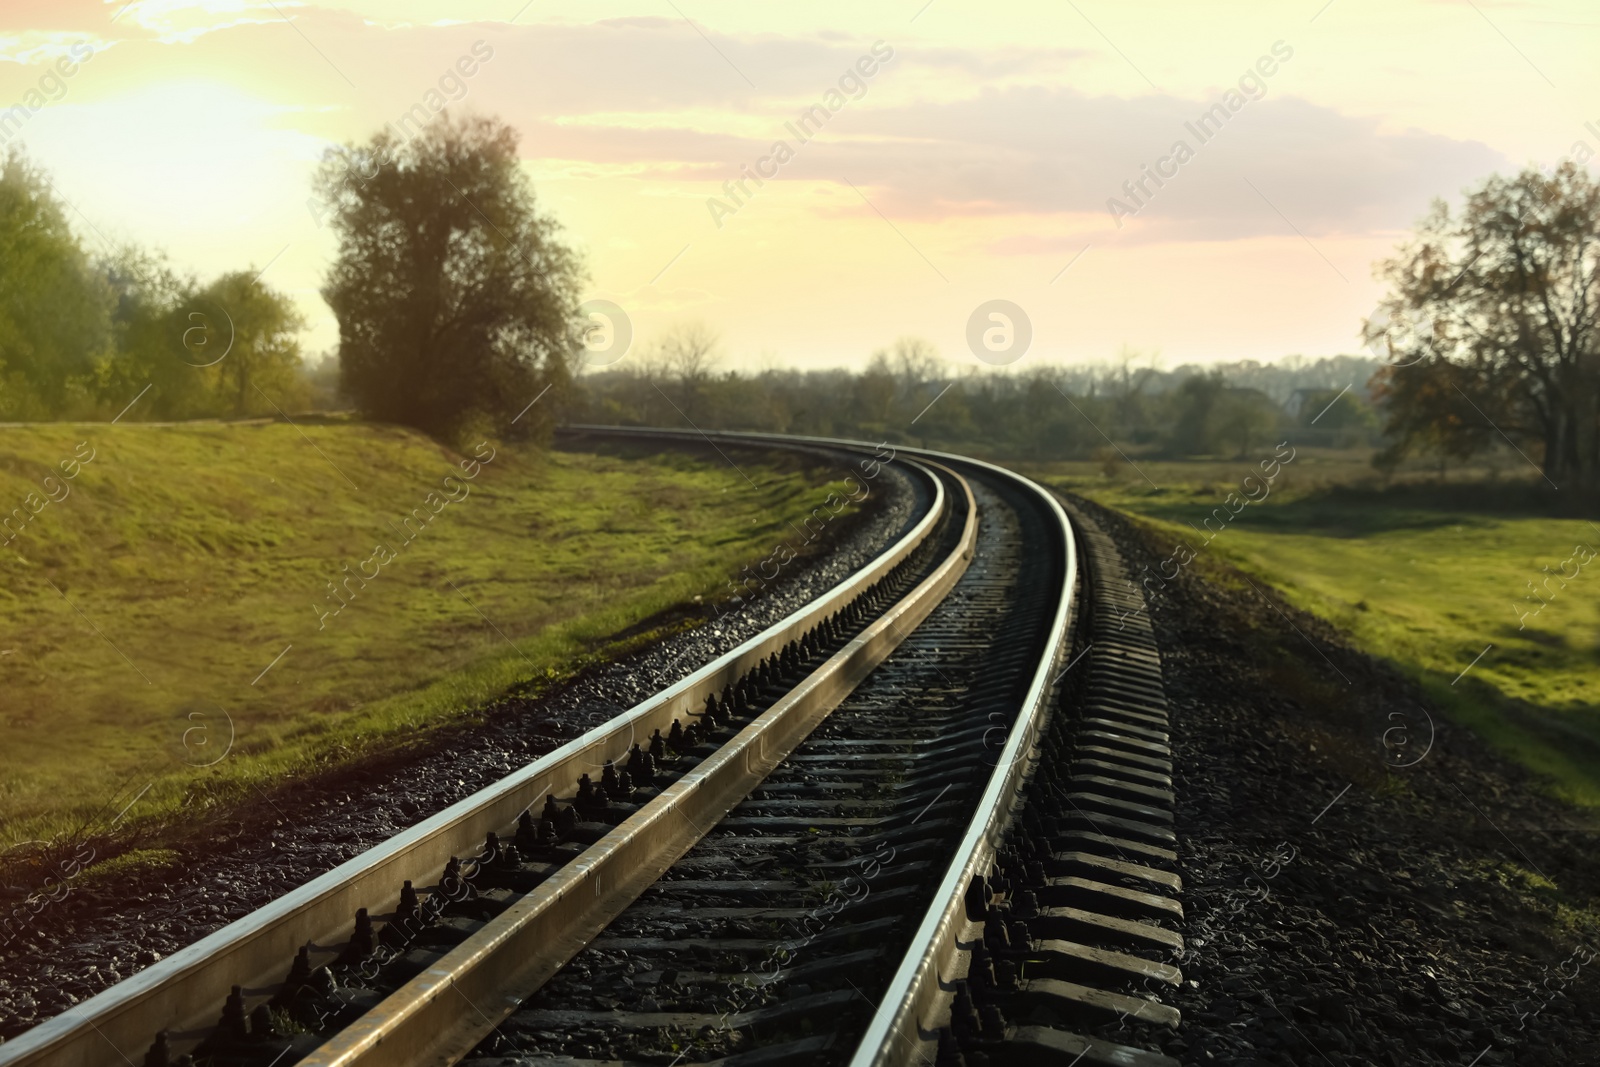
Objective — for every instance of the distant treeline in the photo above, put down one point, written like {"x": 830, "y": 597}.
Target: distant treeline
{"x": 1044, "y": 412}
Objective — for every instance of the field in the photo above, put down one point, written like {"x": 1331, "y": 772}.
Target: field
{"x": 1433, "y": 578}
{"x": 202, "y": 609}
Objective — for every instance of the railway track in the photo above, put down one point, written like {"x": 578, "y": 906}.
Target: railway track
{"x": 922, "y": 818}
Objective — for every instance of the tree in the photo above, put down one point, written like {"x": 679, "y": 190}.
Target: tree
{"x": 148, "y": 326}
{"x": 54, "y": 306}
{"x": 1244, "y": 419}
{"x": 1334, "y": 409}
{"x": 228, "y": 348}
{"x": 456, "y": 302}
{"x": 873, "y": 394}
{"x": 1042, "y": 421}
{"x": 1340, "y": 416}
{"x": 1211, "y": 416}
{"x": 1428, "y": 412}
{"x": 689, "y": 351}
{"x": 912, "y": 361}
{"x": 892, "y": 388}
{"x": 1491, "y": 326}
{"x": 944, "y": 417}
{"x": 1196, "y": 401}
{"x": 685, "y": 354}
{"x": 258, "y": 358}
{"x": 1126, "y": 387}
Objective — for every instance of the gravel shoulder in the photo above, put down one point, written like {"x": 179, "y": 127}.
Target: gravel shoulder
{"x": 1365, "y": 883}
{"x": 100, "y": 931}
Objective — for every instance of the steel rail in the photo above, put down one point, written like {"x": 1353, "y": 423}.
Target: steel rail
{"x": 442, "y": 1014}
{"x": 183, "y": 993}
{"x": 897, "y": 1034}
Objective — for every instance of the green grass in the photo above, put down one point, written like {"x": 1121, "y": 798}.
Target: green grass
{"x": 141, "y": 612}
{"x": 1422, "y": 576}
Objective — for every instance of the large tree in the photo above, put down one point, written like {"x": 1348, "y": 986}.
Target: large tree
{"x": 456, "y": 302}
{"x": 1490, "y": 326}
{"x": 54, "y": 306}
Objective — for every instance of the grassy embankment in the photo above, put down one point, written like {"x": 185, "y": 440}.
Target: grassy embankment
{"x": 144, "y": 613}
{"x": 1425, "y": 577}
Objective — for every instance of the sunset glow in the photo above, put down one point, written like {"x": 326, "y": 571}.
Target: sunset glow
{"x": 987, "y": 150}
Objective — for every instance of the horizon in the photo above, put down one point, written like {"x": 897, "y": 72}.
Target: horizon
{"x": 1310, "y": 145}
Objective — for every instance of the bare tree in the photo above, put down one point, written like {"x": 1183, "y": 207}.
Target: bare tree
{"x": 1125, "y": 383}
{"x": 686, "y": 355}
{"x": 903, "y": 371}
{"x": 915, "y": 361}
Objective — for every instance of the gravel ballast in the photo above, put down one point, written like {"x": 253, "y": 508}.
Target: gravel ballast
{"x": 1364, "y": 882}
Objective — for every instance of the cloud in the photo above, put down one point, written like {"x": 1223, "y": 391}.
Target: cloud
{"x": 45, "y": 46}
{"x": 1056, "y": 151}
{"x": 63, "y": 15}
{"x": 170, "y": 21}
{"x": 1047, "y": 151}
{"x": 942, "y": 132}
{"x": 638, "y": 64}
{"x": 666, "y": 298}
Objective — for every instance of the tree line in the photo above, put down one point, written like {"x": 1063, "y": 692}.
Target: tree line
{"x": 907, "y": 393}
{"x": 82, "y": 333}
{"x": 458, "y": 309}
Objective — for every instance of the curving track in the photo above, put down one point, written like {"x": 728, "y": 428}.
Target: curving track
{"x": 922, "y": 819}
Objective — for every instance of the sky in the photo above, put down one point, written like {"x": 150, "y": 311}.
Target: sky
{"x": 956, "y": 154}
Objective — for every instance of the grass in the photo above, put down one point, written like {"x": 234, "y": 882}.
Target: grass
{"x": 1426, "y": 577}
{"x": 1577, "y": 919}
{"x": 166, "y": 651}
